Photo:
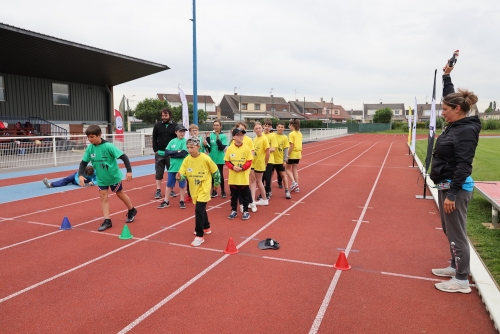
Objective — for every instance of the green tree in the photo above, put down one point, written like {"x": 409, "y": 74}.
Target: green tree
{"x": 383, "y": 116}
{"x": 177, "y": 114}
{"x": 494, "y": 105}
{"x": 149, "y": 110}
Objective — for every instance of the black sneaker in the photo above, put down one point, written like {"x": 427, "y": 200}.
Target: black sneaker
{"x": 105, "y": 225}
{"x": 259, "y": 197}
{"x": 223, "y": 195}
{"x": 214, "y": 194}
{"x": 183, "y": 205}
{"x": 158, "y": 194}
{"x": 163, "y": 205}
{"x": 280, "y": 186}
{"x": 173, "y": 194}
{"x": 131, "y": 215}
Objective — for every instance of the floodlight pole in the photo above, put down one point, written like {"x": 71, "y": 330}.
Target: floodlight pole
{"x": 195, "y": 82}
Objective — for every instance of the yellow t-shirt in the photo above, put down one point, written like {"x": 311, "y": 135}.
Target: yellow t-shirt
{"x": 271, "y": 136}
{"x": 283, "y": 143}
{"x": 238, "y": 155}
{"x": 198, "y": 172}
{"x": 295, "y": 137}
{"x": 260, "y": 145}
{"x": 249, "y": 142}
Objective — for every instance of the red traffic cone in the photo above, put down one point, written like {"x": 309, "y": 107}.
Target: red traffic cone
{"x": 342, "y": 262}
{"x": 231, "y": 247}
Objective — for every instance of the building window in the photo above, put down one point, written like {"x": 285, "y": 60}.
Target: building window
{"x": 273, "y": 109}
{"x": 397, "y": 112}
{"x": 336, "y": 112}
{"x": 2, "y": 90}
{"x": 315, "y": 111}
{"x": 244, "y": 106}
{"x": 285, "y": 109}
{"x": 257, "y": 106}
{"x": 60, "y": 94}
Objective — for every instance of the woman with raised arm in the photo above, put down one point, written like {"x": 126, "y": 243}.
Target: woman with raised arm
{"x": 451, "y": 171}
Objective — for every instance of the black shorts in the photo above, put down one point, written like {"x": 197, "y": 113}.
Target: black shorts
{"x": 258, "y": 171}
{"x": 114, "y": 188}
{"x": 161, "y": 162}
{"x": 279, "y": 167}
{"x": 293, "y": 161}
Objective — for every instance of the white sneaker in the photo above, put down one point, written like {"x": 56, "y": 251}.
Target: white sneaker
{"x": 241, "y": 208}
{"x": 253, "y": 207}
{"x": 445, "y": 272}
{"x": 294, "y": 185}
{"x": 454, "y": 285}
{"x": 262, "y": 202}
{"x": 197, "y": 241}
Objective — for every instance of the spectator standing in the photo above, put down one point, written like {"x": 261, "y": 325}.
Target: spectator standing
{"x": 163, "y": 133}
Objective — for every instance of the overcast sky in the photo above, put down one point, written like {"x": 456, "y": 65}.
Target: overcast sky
{"x": 352, "y": 51}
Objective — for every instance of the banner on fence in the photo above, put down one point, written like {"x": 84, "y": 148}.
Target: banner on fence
{"x": 409, "y": 124}
{"x": 414, "y": 127}
{"x": 432, "y": 127}
{"x": 118, "y": 126}
{"x": 185, "y": 111}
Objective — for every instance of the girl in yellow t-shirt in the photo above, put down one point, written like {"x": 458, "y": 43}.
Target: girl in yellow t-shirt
{"x": 295, "y": 154}
{"x": 259, "y": 163}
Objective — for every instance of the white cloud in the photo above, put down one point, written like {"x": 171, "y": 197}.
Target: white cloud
{"x": 353, "y": 52}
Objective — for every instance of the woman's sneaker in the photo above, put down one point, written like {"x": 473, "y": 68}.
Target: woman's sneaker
{"x": 445, "y": 272}
{"x": 252, "y": 207}
{"x": 223, "y": 195}
{"x": 233, "y": 215}
{"x": 158, "y": 194}
{"x": 454, "y": 285}
{"x": 182, "y": 205}
{"x": 294, "y": 185}
{"x": 197, "y": 242}
{"x": 245, "y": 216}
{"x": 288, "y": 195}
{"x": 261, "y": 202}
{"x": 296, "y": 190}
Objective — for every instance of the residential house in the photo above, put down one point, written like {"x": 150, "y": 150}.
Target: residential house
{"x": 398, "y": 111}
{"x": 205, "y": 102}
{"x": 356, "y": 115}
{"x": 490, "y": 115}
{"x": 334, "y": 112}
{"x": 252, "y": 108}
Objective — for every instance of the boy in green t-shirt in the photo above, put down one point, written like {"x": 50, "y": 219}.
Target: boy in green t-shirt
{"x": 177, "y": 151}
{"x": 103, "y": 156}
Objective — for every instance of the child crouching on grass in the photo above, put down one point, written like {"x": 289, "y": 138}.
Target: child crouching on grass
{"x": 103, "y": 156}
{"x": 199, "y": 170}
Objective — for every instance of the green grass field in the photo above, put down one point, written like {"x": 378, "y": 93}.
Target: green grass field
{"x": 485, "y": 168}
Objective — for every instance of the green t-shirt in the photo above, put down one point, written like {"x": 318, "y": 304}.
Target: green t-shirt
{"x": 216, "y": 155}
{"x": 103, "y": 158}
{"x": 176, "y": 145}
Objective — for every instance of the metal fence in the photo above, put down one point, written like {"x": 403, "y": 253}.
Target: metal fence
{"x": 33, "y": 151}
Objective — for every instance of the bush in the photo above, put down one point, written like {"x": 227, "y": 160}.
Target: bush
{"x": 490, "y": 124}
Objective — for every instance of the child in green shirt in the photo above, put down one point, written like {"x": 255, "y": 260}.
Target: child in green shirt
{"x": 103, "y": 156}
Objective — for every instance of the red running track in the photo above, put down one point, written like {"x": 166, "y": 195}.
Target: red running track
{"x": 356, "y": 194}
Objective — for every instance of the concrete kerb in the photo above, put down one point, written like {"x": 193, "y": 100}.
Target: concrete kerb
{"x": 485, "y": 284}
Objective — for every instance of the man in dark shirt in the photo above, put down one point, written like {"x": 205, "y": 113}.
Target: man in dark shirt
{"x": 163, "y": 133}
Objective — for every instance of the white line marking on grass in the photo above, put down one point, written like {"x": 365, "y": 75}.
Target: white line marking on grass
{"x": 324, "y": 305}
{"x": 213, "y": 265}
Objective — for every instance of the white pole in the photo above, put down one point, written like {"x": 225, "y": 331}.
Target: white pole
{"x": 54, "y": 150}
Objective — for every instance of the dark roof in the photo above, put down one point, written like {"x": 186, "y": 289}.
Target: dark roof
{"x": 36, "y": 55}
{"x": 189, "y": 98}
{"x": 258, "y": 99}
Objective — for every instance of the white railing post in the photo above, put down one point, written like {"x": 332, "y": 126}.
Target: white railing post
{"x": 54, "y": 150}
{"x": 143, "y": 143}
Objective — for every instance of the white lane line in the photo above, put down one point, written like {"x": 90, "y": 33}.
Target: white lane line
{"x": 324, "y": 305}
{"x": 410, "y": 276}
{"x": 297, "y": 261}
{"x": 90, "y": 261}
{"x": 213, "y": 265}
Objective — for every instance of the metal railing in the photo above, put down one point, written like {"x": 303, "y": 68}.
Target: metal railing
{"x": 34, "y": 151}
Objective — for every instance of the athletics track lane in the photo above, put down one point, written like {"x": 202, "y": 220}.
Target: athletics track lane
{"x": 241, "y": 285}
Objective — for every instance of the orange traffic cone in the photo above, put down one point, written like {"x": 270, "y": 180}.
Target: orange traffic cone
{"x": 342, "y": 262}
{"x": 231, "y": 247}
